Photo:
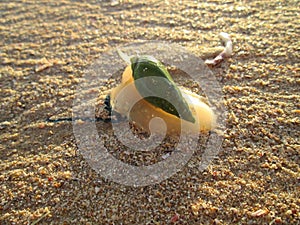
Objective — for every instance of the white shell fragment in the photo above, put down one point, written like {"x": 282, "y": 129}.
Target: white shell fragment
{"x": 227, "y": 52}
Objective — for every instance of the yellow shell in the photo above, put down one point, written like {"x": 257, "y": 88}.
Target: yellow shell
{"x": 124, "y": 101}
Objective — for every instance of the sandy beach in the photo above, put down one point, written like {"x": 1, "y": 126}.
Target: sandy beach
{"x": 45, "y": 49}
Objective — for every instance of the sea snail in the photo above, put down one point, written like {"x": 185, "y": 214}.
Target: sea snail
{"x": 143, "y": 80}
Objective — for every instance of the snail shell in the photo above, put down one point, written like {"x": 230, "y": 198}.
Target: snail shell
{"x": 126, "y": 100}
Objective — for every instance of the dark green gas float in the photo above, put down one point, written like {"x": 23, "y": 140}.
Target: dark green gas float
{"x": 152, "y": 87}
